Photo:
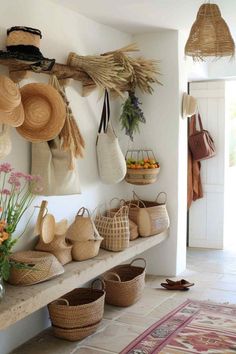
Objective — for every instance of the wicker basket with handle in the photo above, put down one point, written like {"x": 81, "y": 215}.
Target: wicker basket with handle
{"x": 82, "y": 228}
{"x": 151, "y": 216}
{"x": 72, "y": 315}
{"x": 125, "y": 284}
{"x": 114, "y": 230}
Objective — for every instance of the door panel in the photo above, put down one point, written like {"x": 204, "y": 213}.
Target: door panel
{"x": 206, "y": 216}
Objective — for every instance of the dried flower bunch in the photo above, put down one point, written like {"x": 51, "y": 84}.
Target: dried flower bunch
{"x": 16, "y": 196}
{"x": 131, "y": 115}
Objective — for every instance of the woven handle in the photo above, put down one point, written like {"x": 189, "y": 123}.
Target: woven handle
{"x": 101, "y": 282}
{"x": 81, "y": 212}
{"x": 112, "y": 274}
{"x": 138, "y": 199}
{"x": 139, "y": 259}
{"x": 61, "y": 300}
{"x": 124, "y": 210}
{"x": 164, "y": 193}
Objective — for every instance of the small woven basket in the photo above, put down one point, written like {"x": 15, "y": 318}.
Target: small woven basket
{"x": 79, "y": 308}
{"x": 142, "y": 176}
{"x": 86, "y": 249}
{"x": 125, "y": 284}
{"x": 82, "y": 228}
{"x": 133, "y": 228}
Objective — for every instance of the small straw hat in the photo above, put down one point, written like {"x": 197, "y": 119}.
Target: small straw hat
{"x": 11, "y": 109}
{"x": 45, "y": 112}
{"x": 41, "y": 266}
{"x": 189, "y": 105}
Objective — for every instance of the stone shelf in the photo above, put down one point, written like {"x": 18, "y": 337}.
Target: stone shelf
{"x": 20, "y": 302}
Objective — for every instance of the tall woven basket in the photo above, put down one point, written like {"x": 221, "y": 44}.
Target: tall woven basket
{"x": 125, "y": 284}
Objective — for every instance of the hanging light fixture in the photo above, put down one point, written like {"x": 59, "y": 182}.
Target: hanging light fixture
{"x": 210, "y": 35}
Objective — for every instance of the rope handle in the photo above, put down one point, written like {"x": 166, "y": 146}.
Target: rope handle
{"x": 81, "y": 212}
{"x": 121, "y": 201}
{"x": 101, "y": 283}
{"x": 158, "y": 195}
{"x": 56, "y": 302}
{"x": 106, "y": 276}
{"x": 139, "y": 259}
{"x": 123, "y": 210}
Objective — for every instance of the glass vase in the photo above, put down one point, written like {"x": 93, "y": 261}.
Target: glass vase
{"x": 2, "y": 288}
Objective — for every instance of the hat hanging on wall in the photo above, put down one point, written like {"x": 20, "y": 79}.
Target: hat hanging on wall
{"x": 45, "y": 112}
{"x": 189, "y": 105}
{"x": 23, "y": 43}
{"x": 11, "y": 109}
{"x": 210, "y": 35}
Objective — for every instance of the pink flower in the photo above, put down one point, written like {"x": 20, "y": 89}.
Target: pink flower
{"x": 28, "y": 178}
{"x": 6, "y": 192}
{"x": 18, "y": 174}
{"x": 6, "y": 167}
{"x": 14, "y": 181}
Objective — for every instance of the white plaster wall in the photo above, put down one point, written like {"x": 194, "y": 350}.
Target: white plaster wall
{"x": 63, "y": 31}
{"x": 165, "y": 133}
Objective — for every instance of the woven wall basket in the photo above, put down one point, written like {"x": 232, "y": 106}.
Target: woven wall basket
{"x": 209, "y": 35}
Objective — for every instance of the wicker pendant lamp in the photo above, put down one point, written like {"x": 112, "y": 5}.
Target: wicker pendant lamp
{"x": 210, "y": 35}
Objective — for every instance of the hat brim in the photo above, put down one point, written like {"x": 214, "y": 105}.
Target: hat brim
{"x": 184, "y": 104}
{"x": 35, "y": 131}
{"x": 43, "y": 63}
{"x": 15, "y": 118}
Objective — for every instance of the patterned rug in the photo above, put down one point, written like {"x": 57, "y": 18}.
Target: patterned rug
{"x": 193, "y": 327}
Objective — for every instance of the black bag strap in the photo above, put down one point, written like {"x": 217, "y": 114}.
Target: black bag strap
{"x": 105, "y": 117}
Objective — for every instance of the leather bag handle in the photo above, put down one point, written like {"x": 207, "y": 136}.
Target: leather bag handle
{"x": 105, "y": 118}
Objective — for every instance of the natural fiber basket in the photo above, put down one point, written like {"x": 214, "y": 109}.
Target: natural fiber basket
{"x": 41, "y": 266}
{"x": 79, "y": 308}
{"x": 114, "y": 230}
{"x": 74, "y": 334}
{"x": 125, "y": 284}
{"x": 209, "y": 35}
{"x": 133, "y": 228}
{"x": 151, "y": 216}
{"x": 142, "y": 176}
{"x": 83, "y": 250}
{"x": 82, "y": 229}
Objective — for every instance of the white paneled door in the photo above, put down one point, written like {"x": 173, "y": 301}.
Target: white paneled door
{"x": 206, "y": 215}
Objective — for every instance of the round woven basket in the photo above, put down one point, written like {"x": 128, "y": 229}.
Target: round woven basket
{"x": 83, "y": 250}
{"x": 78, "y": 309}
{"x": 74, "y": 334}
{"x": 125, "y": 284}
{"x": 82, "y": 229}
{"x": 41, "y": 266}
{"x": 142, "y": 176}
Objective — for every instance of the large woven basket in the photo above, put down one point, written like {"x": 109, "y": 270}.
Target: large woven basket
{"x": 41, "y": 266}
{"x": 82, "y": 229}
{"x": 79, "y": 308}
{"x": 74, "y": 334}
{"x": 133, "y": 228}
{"x": 151, "y": 216}
{"x": 125, "y": 284}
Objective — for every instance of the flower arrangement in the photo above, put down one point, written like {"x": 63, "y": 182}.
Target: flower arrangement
{"x": 131, "y": 115}
{"x": 16, "y": 195}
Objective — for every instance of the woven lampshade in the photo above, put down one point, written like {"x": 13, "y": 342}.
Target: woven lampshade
{"x": 209, "y": 35}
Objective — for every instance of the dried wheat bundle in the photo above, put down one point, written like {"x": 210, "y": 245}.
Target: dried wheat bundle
{"x": 138, "y": 72}
{"x": 103, "y": 70}
{"x": 70, "y": 134}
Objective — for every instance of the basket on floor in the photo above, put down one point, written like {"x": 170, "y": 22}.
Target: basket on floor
{"x": 74, "y": 334}
{"x": 79, "y": 308}
{"x": 125, "y": 284}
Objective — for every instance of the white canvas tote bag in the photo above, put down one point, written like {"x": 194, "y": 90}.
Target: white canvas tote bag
{"x": 52, "y": 164}
{"x": 111, "y": 161}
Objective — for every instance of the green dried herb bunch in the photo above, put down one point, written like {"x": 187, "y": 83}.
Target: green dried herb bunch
{"x": 131, "y": 115}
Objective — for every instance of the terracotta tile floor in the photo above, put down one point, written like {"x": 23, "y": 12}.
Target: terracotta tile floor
{"x": 214, "y": 274}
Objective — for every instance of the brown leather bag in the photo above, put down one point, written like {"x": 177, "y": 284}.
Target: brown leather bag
{"x": 200, "y": 142}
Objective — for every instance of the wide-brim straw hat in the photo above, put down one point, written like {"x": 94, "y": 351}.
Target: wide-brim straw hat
{"x": 11, "y": 109}
{"x": 189, "y": 105}
{"x": 40, "y": 266}
{"x": 45, "y": 112}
